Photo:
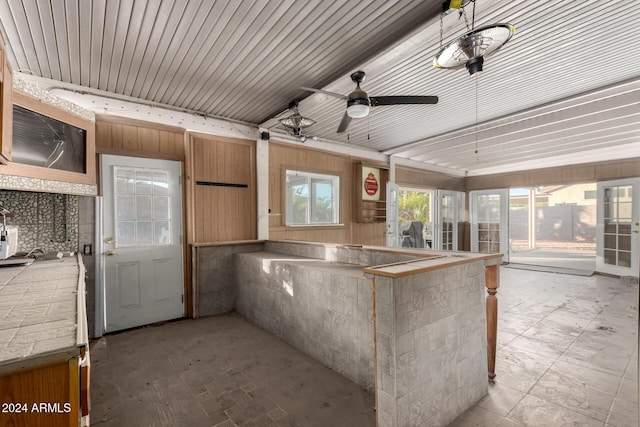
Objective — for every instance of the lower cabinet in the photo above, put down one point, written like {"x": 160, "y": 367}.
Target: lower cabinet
{"x": 50, "y": 395}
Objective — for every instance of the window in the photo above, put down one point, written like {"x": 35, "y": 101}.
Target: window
{"x": 312, "y": 198}
{"x": 142, "y": 206}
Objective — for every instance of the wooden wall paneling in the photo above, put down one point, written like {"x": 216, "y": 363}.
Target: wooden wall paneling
{"x": 573, "y": 174}
{"x": 369, "y": 234}
{"x": 283, "y": 156}
{"x": 411, "y": 177}
{"x": 276, "y": 207}
{"x": 617, "y": 170}
{"x": 148, "y": 139}
{"x": 223, "y": 213}
{"x": 130, "y": 138}
{"x": 576, "y": 174}
{"x": 117, "y": 136}
{"x": 139, "y": 139}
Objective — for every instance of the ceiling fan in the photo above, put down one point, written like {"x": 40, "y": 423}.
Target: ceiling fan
{"x": 358, "y": 102}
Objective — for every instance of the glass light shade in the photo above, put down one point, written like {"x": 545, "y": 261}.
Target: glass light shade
{"x": 296, "y": 121}
{"x": 357, "y": 111}
{"x": 481, "y": 42}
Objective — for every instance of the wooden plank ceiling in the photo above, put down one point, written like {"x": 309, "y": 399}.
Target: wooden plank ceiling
{"x": 564, "y": 90}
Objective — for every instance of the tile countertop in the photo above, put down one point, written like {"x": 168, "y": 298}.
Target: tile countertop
{"x": 39, "y": 312}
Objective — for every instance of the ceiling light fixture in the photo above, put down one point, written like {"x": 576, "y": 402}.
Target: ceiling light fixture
{"x": 295, "y": 122}
{"x": 470, "y": 49}
{"x": 358, "y": 101}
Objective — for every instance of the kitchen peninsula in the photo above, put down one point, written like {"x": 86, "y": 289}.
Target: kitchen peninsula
{"x": 408, "y": 324}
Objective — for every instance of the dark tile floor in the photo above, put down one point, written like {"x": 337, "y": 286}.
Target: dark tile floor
{"x": 217, "y": 371}
{"x": 567, "y": 357}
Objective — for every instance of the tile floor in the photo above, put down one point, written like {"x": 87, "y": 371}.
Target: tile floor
{"x": 567, "y": 357}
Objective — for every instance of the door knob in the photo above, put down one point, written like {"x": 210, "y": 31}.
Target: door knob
{"x": 109, "y": 240}
{"x": 111, "y": 252}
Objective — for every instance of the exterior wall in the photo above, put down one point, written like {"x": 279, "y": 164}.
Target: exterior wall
{"x": 324, "y": 309}
{"x": 215, "y": 277}
{"x": 431, "y": 345}
{"x": 561, "y": 223}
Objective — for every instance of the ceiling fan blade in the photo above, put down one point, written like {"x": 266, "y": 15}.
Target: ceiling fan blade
{"x": 399, "y": 100}
{"x": 344, "y": 123}
{"x": 326, "y": 92}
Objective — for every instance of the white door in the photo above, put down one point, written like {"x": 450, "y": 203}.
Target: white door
{"x": 617, "y": 227}
{"x": 489, "y": 214}
{"x": 142, "y": 227}
{"x": 392, "y": 215}
{"x": 449, "y": 208}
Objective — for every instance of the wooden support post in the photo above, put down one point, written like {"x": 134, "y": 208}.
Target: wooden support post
{"x": 492, "y": 281}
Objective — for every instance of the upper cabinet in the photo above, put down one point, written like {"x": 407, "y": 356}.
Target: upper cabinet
{"x": 6, "y": 104}
{"x": 49, "y": 143}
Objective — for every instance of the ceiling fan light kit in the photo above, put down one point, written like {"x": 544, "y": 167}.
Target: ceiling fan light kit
{"x": 295, "y": 122}
{"x": 357, "y": 110}
{"x": 359, "y": 103}
{"x": 470, "y": 49}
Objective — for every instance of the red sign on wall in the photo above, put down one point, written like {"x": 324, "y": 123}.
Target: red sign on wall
{"x": 370, "y": 183}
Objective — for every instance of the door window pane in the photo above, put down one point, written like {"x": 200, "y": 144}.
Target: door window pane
{"x": 617, "y": 225}
{"x": 142, "y": 206}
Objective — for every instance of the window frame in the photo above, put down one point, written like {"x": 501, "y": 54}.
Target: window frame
{"x": 335, "y": 181}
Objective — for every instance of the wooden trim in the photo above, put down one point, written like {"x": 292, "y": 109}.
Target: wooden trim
{"x": 195, "y": 281}
{"x": 200, "y": 135}
{"x": 74, "y": 391}
{"x": 492, "y": 282}
{"x": 410, "y": 268}
{"x": 186, "y": 249}
{"x": 229, "y": 243}
{"x": 7, "y": 108}
{"x": 102, "y": 149}
{"x": 85, "y": 390}
{"x": 375, "y": 349}
{"x": 187, "y": 224}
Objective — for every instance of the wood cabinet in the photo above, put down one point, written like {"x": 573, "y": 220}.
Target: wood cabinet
{"x": 370, "y": 193}
{"x": 6, "y": 105}
{"x": 43, "y": 112}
